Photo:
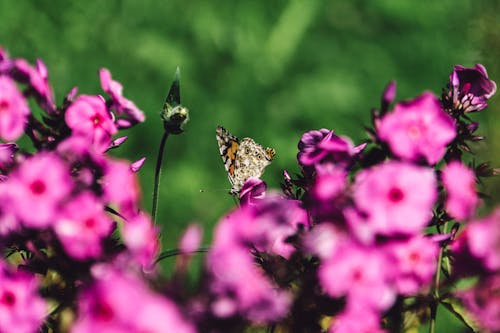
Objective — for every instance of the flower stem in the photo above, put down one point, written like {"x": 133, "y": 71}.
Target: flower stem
{"x": 435, "y": 291}
{"x": 158, "y": 176}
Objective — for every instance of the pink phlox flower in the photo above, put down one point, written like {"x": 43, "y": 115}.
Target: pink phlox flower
{"x": 461, "y": 195}
{"x": 21, "y": 308}
{"x": 38, "y": 79}
{"x": 117, "y": 142}
{"x": 87, "y": 116}
{"x": 479, "y": 244}
{"x": 141, "y": 237}
{"x": 389, "y": 93}
{"x": 82, "y": 226}
{"x": 326, "y": 196}
{"x": 37, "y": 188}
{"x": 413, "y": 262}
{"x": 324, "y": 240}
{"x": 117, "y": 177}
{"x": 265, "y": 226}
{"x": 128, "y": 113}
{"x": 240, "y": 287}
{"x": 361, "y": 274}
{"x": 483, "y": 302}
{"x": 14, "y": 110}
{"x": 417, "y": 129}
{"x": 119, "y": 301}
{"x": 359, "y": 320}
{"x": 394, "y": 198}
{"x": 470, "y": 88}
{"x": 252, "y": 191}
{"x": 322, "y": 145}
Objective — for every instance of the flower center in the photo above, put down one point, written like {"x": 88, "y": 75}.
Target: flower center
{"x": 414, "y": 257}
{"x": 8, "y": 298}
{"x": 38, "y": 187}
{"x": 414, "y": 132}
{"x": 395, "y": 195}
{"x": 103, "y": 311}
{"x": 96, "y": 120}
{"x": 4, "y": 106}
{"x": 90, "y": 223}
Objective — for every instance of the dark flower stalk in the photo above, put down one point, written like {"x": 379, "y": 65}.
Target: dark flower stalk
{"x": 174, "y": 117}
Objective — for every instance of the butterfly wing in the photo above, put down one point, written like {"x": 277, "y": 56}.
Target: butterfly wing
{"x": 228, "y": 147}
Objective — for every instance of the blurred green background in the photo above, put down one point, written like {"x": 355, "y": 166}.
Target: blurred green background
{"x": 266, "y": 69}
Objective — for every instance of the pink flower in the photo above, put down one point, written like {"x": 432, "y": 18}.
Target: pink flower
{"x": 265, "y": 225}
{"x": 252, "y": 191}
{"x": 117, "y": 177}
{"x": 82, "y": 226}
{"x": 239, "y": 287}
{"x": 361, "y": 274}
{"x": 394, "y": 198}
{"x": 479, "y": 245}
{"x": 357, "y": 320}
{"x": 137, "y": 165}
{"x": 324, "y": 240}
{"x": 38, "y": 79}
{"x": 322, "y": 145}
{"x": 413, "y": 262}
{"x": 470, "y": 88}
{"x": 129, "y": 112}
{"x": 418, "y": 129}
{"x": 88, "y": 117}
{"x": 141, "y": 238}
{"x": 327, "y": 192}
{"x": 37, "y": 188}
{"x": 119, "y": 302}
{"x": 483, "y": 302}
{"x": 461, "y": 196}
{"x": 14, "y": 110}
{"x": 21, "y": 308}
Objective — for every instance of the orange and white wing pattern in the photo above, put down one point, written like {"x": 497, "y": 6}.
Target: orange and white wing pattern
{"x": 242, "y": 160}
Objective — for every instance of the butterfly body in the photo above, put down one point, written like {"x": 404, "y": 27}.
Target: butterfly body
{"x": 242, "y": 159}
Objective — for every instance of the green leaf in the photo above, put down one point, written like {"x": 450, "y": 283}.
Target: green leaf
{"x": 457, "y": 309}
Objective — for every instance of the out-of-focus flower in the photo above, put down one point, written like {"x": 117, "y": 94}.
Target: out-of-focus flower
{"x": 477, "y": 248}
{"x": 191, "y": 239}
{"x": 357, "y": 319}
{"x": 120, "y": 302}
{"x": 322, "y": 145}
{"x": 240, "y": 287}
{"x": 252, "y": 191}
{"x": 414, "y": 261}
{"x": 14, "y": 110}
{"x": 360, "y": 273}
{"x": 461, "y": 196}
{"x": 470, "y": 88}
{"x": 117, "y": 177}
{"x": 483, "y": 302}
{"x": 389, "y": 94}
{"x": 82, "y": 226}
{"x": 324, "y": 239}
{"x": 417, "y": 129}
{"x": 38, "y": 79}
{"x": 394, "y": 198}
{"x": 128, "y": 113}
{"x": 141, "y": 238}
{"x": 88, "y": 117}
{"x": 21, "y": 308}
{"x": 37, "y": 188}
{"x": 325, "y": 196}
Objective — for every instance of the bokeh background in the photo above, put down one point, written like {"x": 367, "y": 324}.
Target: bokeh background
{"x": 266, "y": 69}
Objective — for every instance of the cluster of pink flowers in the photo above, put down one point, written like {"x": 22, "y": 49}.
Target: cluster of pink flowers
{"x": 361, "y": 236}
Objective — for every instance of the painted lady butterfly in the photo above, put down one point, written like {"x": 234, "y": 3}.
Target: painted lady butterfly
{"x": 242, "y": 159}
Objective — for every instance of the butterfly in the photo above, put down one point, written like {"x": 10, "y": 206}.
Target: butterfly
{"x": 242, "y": 159}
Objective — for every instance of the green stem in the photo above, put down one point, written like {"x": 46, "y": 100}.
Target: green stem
{"x": 158, "y": 176}
{"x": 435, "y": 291}
{"x": 175, "y": 252}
